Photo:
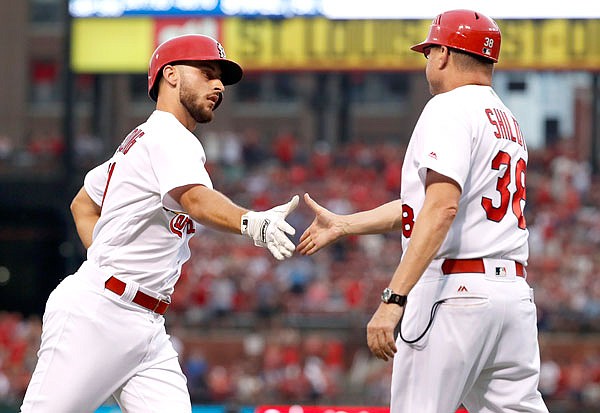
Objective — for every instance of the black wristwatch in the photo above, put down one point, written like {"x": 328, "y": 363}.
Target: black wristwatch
{"x": 388, "y": 296}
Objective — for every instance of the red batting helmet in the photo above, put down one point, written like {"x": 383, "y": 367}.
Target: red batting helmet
{"x": 190, "y": 47}
{"x": 465, "y": 30}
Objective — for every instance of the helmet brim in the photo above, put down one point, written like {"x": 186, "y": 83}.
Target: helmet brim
{"x": 231, "y": 72}
{"x": 420, "y": 48}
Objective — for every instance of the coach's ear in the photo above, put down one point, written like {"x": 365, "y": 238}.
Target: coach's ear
{"x": 443, "y": 57}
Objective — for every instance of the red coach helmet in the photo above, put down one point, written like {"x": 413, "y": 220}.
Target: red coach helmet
{"x": 190, "y": 47}
{"x": 465, "y": 30}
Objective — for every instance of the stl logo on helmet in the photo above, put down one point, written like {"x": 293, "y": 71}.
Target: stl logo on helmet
{"x": 221, "y": 50}
{"x": 181, "y": 224}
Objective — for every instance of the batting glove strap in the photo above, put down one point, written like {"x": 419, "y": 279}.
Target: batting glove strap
{"x": 268, "y": 229}
{"x": 255, "y": 225}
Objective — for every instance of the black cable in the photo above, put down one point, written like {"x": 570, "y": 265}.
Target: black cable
{"x": 434, "y": 309}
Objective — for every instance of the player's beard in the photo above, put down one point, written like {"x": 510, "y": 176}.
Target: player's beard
{"x": 199, "y": 111}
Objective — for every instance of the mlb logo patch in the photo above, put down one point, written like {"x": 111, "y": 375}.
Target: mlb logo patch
{"x": 500, "y": 271}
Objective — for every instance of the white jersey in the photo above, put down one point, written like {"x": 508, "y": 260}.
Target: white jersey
{"x": 142, "y": 234}
{"x": 470, "y": 136}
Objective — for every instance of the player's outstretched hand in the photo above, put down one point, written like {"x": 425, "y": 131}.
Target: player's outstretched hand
{"x": 326, "y": 228}
{"x": 268, "y": 228}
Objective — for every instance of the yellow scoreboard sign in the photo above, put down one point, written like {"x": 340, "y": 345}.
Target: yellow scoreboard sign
{"x": 550, "y": 44}
{"x": 125, "y": 44}
{"x": 314, "y": 44}
{"x": 112, "y": 45}
{"x": 318, "y": 44}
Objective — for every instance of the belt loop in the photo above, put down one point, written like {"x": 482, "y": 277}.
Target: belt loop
{"x": 131, "y": 288}
{"x": 520, "y": 270}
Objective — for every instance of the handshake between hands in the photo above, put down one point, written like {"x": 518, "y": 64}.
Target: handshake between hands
{"x": 268, "y": 229}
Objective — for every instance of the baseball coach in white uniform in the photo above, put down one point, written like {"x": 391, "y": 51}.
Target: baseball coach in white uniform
{"x": 103, "y": 328}
{"x": 465, "y": 312}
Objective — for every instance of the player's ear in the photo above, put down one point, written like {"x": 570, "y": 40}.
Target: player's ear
{"x": 170, "y": 74}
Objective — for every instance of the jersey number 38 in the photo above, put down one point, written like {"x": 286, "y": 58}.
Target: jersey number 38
{"x": 493, "y": 213}
{"x": 496, "y": 213}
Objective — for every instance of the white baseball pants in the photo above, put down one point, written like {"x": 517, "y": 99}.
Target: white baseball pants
{"x": 95, "y": 345}
{"x": 481, "y": 350}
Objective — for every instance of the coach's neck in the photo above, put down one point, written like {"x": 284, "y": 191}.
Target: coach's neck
{"x": 449, "y": 70}
{"x": 457, "y": 78}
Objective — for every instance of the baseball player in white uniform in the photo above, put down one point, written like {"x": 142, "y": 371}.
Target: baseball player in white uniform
{"x": 459, "y": 296}
{"x": 103, "y": 328}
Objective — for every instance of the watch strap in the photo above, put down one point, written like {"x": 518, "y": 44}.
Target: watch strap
{"x": 398, "y": 299}
{"x": 389, "y": 297}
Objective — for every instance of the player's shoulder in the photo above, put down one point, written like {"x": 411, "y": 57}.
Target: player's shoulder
{"x": 164, "y": 125}
{"x": 160, "y": 121}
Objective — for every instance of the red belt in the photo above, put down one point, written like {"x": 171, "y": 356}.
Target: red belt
{"x": 153, "y": 304}
{"x": 473, "y": 265}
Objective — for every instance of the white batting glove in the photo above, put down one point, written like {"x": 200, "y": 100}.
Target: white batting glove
{"x": 269, "y": 228}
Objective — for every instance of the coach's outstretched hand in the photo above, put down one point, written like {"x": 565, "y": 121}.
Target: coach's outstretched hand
{"x": 269, "y": 228}
{"x": 326, "y": 228}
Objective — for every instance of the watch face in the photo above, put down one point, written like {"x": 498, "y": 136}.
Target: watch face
{"x": 386, "y": 295}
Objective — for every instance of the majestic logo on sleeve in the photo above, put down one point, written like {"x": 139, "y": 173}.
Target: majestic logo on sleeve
{"x": 182, "y": 224}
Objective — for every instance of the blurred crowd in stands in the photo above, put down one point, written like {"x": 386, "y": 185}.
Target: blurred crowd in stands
{"x": 253, "y": 330}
